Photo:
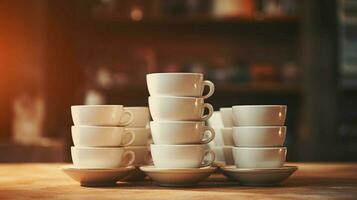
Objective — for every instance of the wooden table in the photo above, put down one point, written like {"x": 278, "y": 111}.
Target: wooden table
{"x": 311, "y": 181}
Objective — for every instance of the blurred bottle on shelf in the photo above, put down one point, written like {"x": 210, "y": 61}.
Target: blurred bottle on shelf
{"x": 231, "y": 8}
{"x": 263, "y": 73}
{"x": 274, "y": 7}
{"x": 94, "y": 97}
{"x": 290, "y": 73}
{"x": 28, "y": 112}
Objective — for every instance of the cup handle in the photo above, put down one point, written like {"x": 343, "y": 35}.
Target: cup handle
{"x": 130, "y": 134}
{"x": 132, "y": 157}
{"x": 131, "y": 118}
{"x": 208, "y": 162}
{"x": 210, "y": 86}
{"x": 210, "y": 132}
{"x": 210, "y": 111}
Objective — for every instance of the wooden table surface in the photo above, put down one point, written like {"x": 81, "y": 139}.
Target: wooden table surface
{"x": 311, "y": 181}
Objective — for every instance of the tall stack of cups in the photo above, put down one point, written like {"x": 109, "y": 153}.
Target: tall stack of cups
{"x": 178, "y": 128}
{"x": 99, "y": 136}
{"x": 259, "y": 136}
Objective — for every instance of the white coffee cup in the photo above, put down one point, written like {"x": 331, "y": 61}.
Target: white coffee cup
{"x": 97, "y": 157}
{"x": 142, "y": 136}
{"x": 259, "y": 115}
{"x": 181, "y": 156}
{"x": 226, "y": 116}
{"x": 101, "y": 136}
{"x": 181, "y": 132}
{"x": 223, "y": 136}
{"x": 251, "y": 157}
{"x": 259, "y": 136}
{"x": 215, "y": 120}
{"x": 100, "y": 115}
{"x": 165, "y": 108}
{"x": 141, "y": 116}
{"x": 142, "y": 155}
{"x": 178, "y": 84}
{"x": 224, "y": 154}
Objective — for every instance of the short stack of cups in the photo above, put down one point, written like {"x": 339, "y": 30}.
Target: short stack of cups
{"x": 223, "y": 142}
{"x": 259, "y": 135}
{"x": 140, "y": 127}
{"x": 178, "y": 128}
{"x": 99, "y": 136}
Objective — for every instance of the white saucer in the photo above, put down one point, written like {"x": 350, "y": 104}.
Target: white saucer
{"x": 178, "y": 177}
{"x": 258, "y": 177}
{"x": 97, "y": 177}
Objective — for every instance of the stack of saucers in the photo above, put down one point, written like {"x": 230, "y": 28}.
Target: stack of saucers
{"x": 180, "y": 154}
{"x": 99, "y": 135}
{"x": 259, "y": 136}
{"x": 223, "y": 142}
{"x": 140, "y": 146}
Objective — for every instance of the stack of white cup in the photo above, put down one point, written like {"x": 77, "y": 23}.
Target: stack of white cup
{"x": 178, "y": 127}
{"x": 140, "y": 146}
{"x": 259, "y": 135}
{"x": 223, "y": 142}
{"x": 99, "y": 135}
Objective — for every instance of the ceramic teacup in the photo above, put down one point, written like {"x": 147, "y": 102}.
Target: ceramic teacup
{"x": 101, "y": 136}
{"x": 259, "y": 136}
{"x": 141, "y": 116}
{"x": 223, "y": 136}
{"x": 101, "y": 115}
{"x": 98, "y": 157}
{"x": 165, "y": 108}
{"x": 259, "y": 115}
{"x": 178, "y": 84}
{"x": 215, "y": 119}
{"x": 142, "y": 155}
{"x": 251, "y": 157}
{"x": 142, "y": 136}
{"x": 181, "y": 132}
{"x": 181, "y": 156}
{"x": 226, "y": 116}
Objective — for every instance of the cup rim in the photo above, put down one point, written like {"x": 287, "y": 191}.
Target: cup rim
{"x": 97, "y": 148}
{"x": 257, "y": 127}
{"x": 137, "y": 147}
{"x": 98, "y": 127}
{"x": 176, "y": 97}
{"x": 174, "y": 73}
{"x": 225, "y": 108}
{"x": 177, "y": 122}
{"x": 258, "y": 106}
{"x": 136, "y": 107}
{"x": 223, "y": 147}
{"x": 178, "y": 145}
{"x": 128, "y": 128}
{"x": 261, "y": 148}
{"x": 94, "y": 106}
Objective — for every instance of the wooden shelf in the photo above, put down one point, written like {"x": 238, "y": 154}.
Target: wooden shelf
{"x": 195, "y": 19}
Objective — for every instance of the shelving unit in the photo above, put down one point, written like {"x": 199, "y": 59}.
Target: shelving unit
{"x": 78, "y": 42}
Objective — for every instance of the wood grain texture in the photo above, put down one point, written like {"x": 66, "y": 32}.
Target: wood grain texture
{"x": 311, "y": 181}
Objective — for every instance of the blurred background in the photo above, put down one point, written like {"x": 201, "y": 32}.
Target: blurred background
{"x": 55, "y": 53}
